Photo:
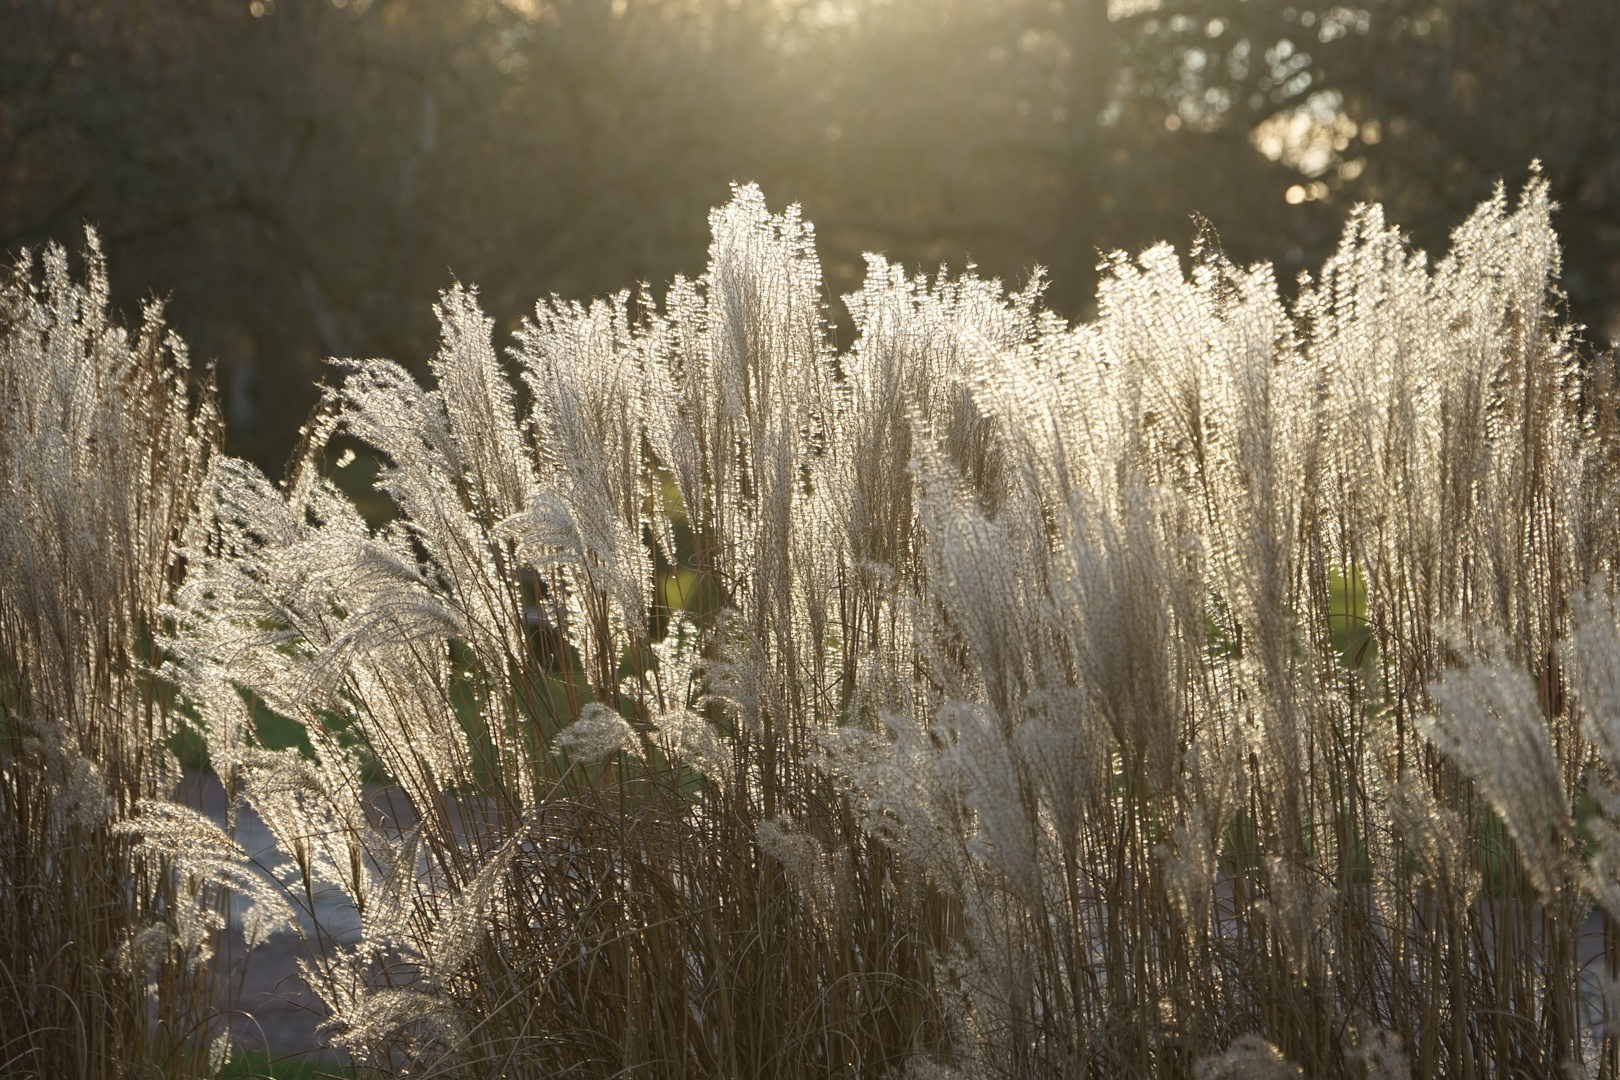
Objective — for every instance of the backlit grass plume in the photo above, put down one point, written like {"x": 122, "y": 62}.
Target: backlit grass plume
{"x": 110, "y": 900}
{"x": 1196, "y": 692}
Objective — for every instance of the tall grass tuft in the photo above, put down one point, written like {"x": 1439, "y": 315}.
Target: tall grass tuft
{"x": 109, "y": 900}
{"x": 1221, "y": 688}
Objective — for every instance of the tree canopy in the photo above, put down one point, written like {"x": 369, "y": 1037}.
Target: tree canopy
{"x": 301, "y": 177}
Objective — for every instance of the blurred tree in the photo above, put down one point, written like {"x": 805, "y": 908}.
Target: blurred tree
{"x": 303, "y": 176}
{"x": 1422, "y": 105}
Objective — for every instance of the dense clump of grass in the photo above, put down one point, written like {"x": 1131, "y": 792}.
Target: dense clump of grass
{"x": 109, "y": 889}
{"x": 1209, "y": 690}
{"x": 587, "y": 773}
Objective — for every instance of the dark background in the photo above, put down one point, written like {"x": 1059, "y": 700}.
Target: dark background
{"x": 298, "y": 178}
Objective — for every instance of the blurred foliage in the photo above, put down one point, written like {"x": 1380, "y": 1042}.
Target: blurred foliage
{"x": 300, "y": 177}
{"x": 258, "y": 1065}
